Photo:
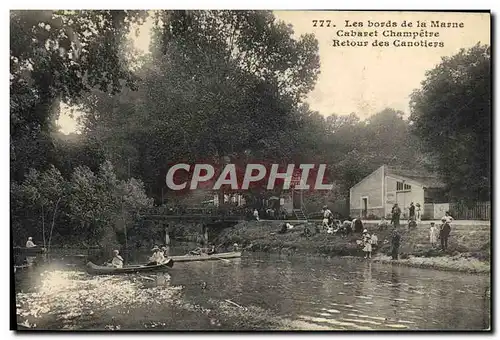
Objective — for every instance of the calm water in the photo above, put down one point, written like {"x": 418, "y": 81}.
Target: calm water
{"x": 259, "y": 291}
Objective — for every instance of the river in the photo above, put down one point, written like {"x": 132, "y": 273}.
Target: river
{"x": 258, "y": 291}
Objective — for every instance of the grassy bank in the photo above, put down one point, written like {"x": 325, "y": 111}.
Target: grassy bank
{"x": 468, "y": 246}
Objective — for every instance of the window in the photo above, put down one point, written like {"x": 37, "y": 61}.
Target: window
{"x": 400, "y": 186}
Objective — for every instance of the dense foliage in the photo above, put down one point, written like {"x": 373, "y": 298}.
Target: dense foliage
{"x": 452, "y": 116}
{"x": 217, "y": 86}
{"x": 89, "y": 209}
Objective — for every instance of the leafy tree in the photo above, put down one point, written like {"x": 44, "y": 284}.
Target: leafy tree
{"x": 89, "y": 209}
{"x": 451, "y": 114}
{"x": 36, "y": 203}
{"x": 218, "y": 84}
{"x": 58, "y": 56}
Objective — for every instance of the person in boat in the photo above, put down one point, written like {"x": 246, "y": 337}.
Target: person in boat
{"x": 236, "y": 247}
{"x": 197, "y": 251}
{"x": 29, "y": 243}
{"x": 203, "y": 251}
{"x": 157, "y": 257}
{"x": 210, "y": 250}
{"x": 116, "y": 261}
{"x": 166, "y": 251}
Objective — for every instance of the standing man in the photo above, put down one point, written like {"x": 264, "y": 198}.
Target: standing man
{"x": 412, "y": 211}
{"x": 445, "y": 230}
{"x": 419, "y": 213}
{"x": 396, "y": 213}
{"x": 395, "y": 242}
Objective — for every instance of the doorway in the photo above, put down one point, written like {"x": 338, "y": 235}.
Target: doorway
{"x": 364, "y": 207}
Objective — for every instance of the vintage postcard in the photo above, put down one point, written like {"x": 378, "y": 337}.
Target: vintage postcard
{"x": 233, "y": 170}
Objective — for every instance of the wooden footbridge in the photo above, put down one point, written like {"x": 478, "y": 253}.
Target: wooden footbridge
{"x": 193, "y": 214}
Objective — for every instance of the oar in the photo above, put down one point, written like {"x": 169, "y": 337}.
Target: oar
{"x": 220, "y": 258}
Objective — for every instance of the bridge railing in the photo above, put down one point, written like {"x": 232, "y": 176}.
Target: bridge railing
{"x": 196, "y": 211}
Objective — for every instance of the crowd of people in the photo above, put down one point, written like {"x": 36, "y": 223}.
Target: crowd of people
{"x": 370, "y": 241}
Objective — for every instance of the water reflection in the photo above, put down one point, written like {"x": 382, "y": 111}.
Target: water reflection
{"x": 260, "y": 291}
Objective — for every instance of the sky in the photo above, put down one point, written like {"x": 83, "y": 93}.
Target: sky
{"x": 365, "y": 80}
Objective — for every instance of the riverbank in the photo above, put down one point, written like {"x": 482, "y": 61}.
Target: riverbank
{"x": 468, "y": 248}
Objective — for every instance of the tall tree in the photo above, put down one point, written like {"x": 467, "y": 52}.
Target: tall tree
{"x": 57, "y": 56}
{"x": 218, "y": 84}
{"x": 451, "y": 113}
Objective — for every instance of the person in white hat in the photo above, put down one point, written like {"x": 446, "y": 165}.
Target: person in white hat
{"x": 367, "y": 244}
{"x": 157, "y": 256}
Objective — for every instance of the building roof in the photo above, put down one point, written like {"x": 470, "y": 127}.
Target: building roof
{"x": 427, "y": 179}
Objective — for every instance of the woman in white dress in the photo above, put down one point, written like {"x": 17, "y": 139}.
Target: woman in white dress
{"x": 418, "y": 213}
{"x": 433, "y": 233}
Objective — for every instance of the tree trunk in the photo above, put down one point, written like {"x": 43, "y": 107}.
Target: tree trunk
{"x": 53, "y": 222}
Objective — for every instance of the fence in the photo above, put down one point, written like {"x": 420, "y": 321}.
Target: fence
{"x": 479, "y": 211}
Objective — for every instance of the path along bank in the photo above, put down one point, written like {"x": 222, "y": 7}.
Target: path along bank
{"x": 468, "y": 245}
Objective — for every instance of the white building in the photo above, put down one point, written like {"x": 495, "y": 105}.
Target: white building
{"x": 375, "y": 195}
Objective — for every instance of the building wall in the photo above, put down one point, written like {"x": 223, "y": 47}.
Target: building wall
{"x": 402, "y": 198}
{"x": 370, "y": 187}
{"x": 372, "y": 212}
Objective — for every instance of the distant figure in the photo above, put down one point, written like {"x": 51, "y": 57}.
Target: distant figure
{"x": 395, "y": 242}
{"x": 347, "y": 227}
{"x": 383, "y": 225}
{"x": 374, "y": 240}
{"x": 327, "y": 217}
{"x": 117, "y": 260}
{"x": 445, "y": 230}
{"x": 367, "y": 244}
{"x": 29, "y": 243}
{"x": 396, "y": 213}
{"x": 236, "y": 247}
{"x": 283, "y": 229}
{"x": 433, "y": 234}
{"x": 412, "y": 211}
{"x": 448, "y": 218}
{"x": 412, "y": 224}
{"x": 357, "y": 225}
{"x": 256, "y": 214}
{"x": 419, "y": 213}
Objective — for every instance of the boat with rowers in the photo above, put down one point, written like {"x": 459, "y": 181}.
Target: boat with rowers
{"x": 207, "y": 257}
{"x": 108, "y": 270}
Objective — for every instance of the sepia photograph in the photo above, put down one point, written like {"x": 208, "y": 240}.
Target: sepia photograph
{"x": 250, "y": 170}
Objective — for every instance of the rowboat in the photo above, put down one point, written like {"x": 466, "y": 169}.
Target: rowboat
{"x": 205, "y": 257}
{"x": 104, "y": 270}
